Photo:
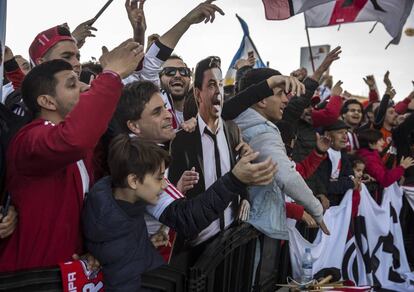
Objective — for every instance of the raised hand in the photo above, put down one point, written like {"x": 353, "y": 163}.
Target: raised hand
{"x": 323, "y": 143}
{"x": 82, "y": 31}
{"x": 370, "y": 81}
{"x": 288, "y": 83}
{"x": 406, "y": 162}
{"x": 204, "y": 11}
{"x": 124, "y": 59}
{"x": 136, "y": 14}
{"x": 327, "y": 62}
{"x": 387, "y": 80}
{"x": 337, "y": 89}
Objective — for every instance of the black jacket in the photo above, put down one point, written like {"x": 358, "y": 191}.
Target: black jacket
{"x": 187, "y": 152}
{"x": 121, "y": 243}
{"x": 335, "y": 190}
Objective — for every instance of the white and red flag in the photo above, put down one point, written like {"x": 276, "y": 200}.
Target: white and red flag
{"x": 283, "y": 9}
{"x": 392, "y": 14}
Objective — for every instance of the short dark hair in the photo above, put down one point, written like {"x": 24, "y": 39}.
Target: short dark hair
{"x": 355, "y": 160}
{"x": 255, "y": 76}
{"x": 130, "y": 155}
{"x": 132, "y": 103}
{"x": 345, "y": 107}
{"x": 204, "y": 65}
{"x": 369, "y": 136}
{"x": 41, "y": 80}
{"x": 175, "y": 57}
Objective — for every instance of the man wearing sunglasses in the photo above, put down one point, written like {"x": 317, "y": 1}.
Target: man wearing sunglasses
{"x": 175, "y": 81}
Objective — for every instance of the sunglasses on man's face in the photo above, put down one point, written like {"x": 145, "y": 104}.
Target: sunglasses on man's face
{"x": 171, "y": 71}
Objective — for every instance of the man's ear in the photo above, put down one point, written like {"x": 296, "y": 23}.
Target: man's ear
{"x": 197, "y": 95}
{"x": 133, "y": 126}
{"x": 47, "y": 102}
{"x": 132, "y": 181}
{"x": 262, "y": 103}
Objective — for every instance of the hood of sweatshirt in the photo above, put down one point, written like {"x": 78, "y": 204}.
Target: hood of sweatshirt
{"x": 249, "y": 118}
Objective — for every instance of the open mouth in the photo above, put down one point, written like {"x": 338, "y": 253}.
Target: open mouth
{"x": 176, "y": 83}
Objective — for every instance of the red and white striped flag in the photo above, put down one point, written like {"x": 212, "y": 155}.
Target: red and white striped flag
{"x": 283, "y": 9}
{"x": 391, "y": 13}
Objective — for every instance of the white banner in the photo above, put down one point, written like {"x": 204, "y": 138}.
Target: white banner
{"x": 374, "y": 256}
{"x": 319, "y": 53}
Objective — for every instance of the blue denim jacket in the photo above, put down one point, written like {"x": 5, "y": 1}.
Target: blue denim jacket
{"x": 267, "y": 212}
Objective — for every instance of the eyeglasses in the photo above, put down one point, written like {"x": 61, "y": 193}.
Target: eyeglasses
{"x": 171, "y": 71}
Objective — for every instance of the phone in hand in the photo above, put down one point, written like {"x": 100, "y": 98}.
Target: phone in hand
{"x": 250, "y": 54}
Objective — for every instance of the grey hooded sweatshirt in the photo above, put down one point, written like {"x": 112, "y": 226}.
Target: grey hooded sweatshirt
{"x": 267, "y": 212}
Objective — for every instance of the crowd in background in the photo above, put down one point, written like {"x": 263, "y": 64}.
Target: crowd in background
{"x": 135, "y": 160}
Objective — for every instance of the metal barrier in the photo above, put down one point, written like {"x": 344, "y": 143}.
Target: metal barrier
{"x": 228, "y": 264}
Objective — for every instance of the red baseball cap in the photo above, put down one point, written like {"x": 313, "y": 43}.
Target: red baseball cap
{"x": 47, "y": 39}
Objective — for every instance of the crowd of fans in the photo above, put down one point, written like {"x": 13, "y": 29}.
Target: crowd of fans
{"x": 135, "y": 159}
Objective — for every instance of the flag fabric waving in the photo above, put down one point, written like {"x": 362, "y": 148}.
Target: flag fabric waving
{"x": 246, "y": 46}
{"x": 373, "y": 256}
{"x": 283, "y": 9}
{"x": 391, "y": 13}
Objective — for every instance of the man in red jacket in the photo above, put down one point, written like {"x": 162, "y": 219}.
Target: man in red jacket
{"x": 49, "y": 161}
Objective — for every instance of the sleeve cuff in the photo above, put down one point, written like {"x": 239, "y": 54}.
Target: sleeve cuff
{"x": 164, "y": 52}
{"x": 238, "y": 185}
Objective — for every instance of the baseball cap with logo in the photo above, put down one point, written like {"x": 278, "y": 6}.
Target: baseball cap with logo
{"x": 45, "y": 40}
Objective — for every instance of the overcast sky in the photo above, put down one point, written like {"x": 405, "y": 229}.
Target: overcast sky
{"x": 277, "y": 42}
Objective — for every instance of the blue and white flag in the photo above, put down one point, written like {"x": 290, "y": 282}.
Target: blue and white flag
{"x": 246, "y": 46}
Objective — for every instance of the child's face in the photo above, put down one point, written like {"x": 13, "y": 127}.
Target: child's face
{"x": 359, "y": 170}
{"x": 152, "y": 186}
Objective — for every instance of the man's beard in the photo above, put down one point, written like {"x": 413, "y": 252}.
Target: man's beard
{"x": 178, "y": 97}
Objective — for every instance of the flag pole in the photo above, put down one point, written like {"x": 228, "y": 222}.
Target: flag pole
{"x": 309, "y": 44}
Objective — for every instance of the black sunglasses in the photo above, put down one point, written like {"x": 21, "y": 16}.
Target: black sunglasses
{"x": 171, "y": 71}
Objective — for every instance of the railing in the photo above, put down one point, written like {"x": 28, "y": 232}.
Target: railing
{"x": 227, "y": 264}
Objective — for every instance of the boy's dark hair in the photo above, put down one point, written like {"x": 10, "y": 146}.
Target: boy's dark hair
{"x": 355, "y": 160}
{"x": 41, "y": 80}
{"x": 133, "y": 99}
{"x": 255, "y": 76}
{"x": 345, "y": 107}
{"x": 130, "y": 155}
{"x": 369, "y": 136}
{"x": 204, "y": 65}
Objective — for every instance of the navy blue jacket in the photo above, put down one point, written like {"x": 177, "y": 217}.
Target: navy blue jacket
{"x": 121, "y": 243}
